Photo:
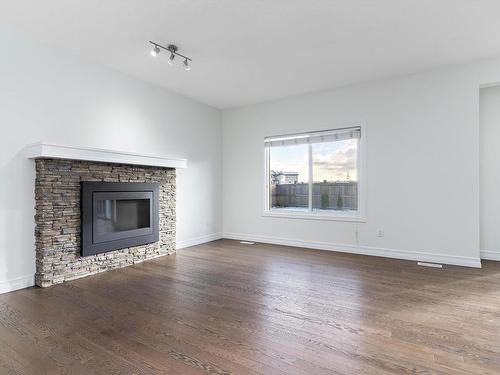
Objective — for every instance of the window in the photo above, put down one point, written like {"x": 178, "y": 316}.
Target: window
{"x": 315, "y": 174}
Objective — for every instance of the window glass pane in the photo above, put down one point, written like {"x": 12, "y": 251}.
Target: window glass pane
{"x": 289, "y": 178}
{"x": 335, "y": 176}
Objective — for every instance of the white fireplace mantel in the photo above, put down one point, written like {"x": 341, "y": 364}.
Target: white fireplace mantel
{"x": 42, "y": 150}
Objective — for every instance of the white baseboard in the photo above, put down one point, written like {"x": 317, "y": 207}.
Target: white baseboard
{"x": 29, "y": 280}
{"x": 17, "y": 283}
{"x": 198, "y": 240}
{"x": 490, "y": 255}
{"x": 362, "y": 250}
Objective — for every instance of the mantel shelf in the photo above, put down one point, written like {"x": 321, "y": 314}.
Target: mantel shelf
{"x": 43, "y": 150}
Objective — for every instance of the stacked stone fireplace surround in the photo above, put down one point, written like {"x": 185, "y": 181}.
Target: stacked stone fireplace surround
{"x": 57, "y": 218}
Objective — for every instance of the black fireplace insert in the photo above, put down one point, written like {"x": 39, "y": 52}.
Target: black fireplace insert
{"x": 117, "y": 215}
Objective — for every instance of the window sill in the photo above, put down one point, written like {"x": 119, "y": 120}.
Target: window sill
{"x": 314, "y": 216}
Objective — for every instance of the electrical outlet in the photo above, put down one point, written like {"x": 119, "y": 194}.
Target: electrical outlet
{"x": 380, "y": 233}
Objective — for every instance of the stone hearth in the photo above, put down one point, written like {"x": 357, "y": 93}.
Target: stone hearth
{"x": 57, "y": 218}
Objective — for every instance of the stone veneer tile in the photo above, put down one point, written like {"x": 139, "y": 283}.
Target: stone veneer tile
{"x": 57, "y": 218}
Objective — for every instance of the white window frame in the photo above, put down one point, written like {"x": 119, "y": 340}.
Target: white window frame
{"x": 358, "y": 216}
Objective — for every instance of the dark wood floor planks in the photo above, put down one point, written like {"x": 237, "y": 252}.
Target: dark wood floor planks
{"x": 228, "y": 308}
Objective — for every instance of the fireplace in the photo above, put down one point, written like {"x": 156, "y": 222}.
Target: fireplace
{"x": 118, "y": 215}
{"x": 64, "y": 213}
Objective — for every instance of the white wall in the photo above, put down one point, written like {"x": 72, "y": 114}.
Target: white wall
{"x": 489, "y": 115}
{"x": 422, "y": 165}
{"x": 50, "y": 96}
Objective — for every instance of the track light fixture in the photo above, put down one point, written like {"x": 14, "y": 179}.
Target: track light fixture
{"x": 172, "y": 48}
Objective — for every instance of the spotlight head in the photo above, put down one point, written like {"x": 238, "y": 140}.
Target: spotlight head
{"x": 186, "y": 65}
{"x": 173, "y": 49}
{"x": 155, "y": 51}
{"x": 171, "y": 59}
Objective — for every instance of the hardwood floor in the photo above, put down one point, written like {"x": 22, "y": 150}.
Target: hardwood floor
{"x": 228, "y": 308}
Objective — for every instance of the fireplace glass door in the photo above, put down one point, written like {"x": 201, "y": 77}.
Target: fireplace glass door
{"x": 121, "y": 214}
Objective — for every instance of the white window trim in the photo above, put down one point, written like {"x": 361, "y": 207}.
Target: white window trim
{"x": 360, "y": 216}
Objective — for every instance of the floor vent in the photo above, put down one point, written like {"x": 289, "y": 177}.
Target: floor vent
{"x": 247, "y": 243}
{"x": 425, "y": 264}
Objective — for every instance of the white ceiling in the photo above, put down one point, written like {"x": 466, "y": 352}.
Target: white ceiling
{"x": 248, "y": 51}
